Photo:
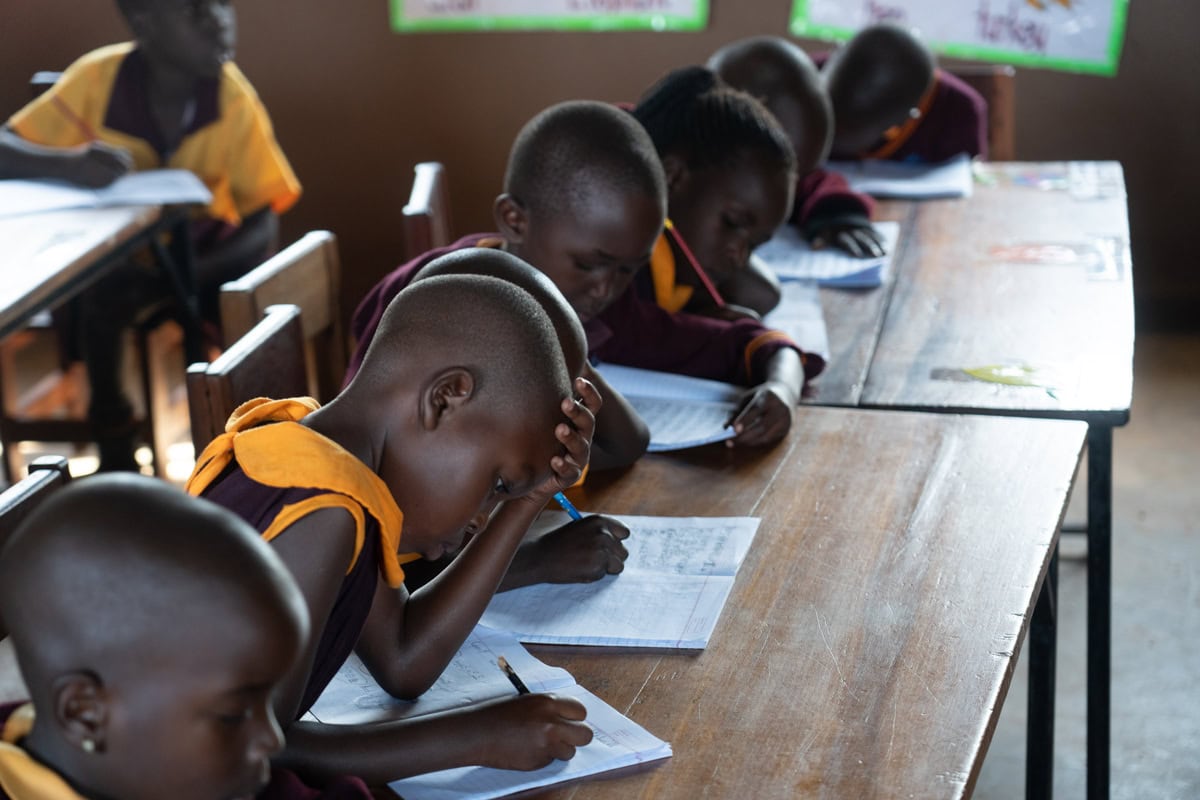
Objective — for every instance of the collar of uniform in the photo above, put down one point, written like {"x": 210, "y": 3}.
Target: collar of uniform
{"x": 129, "y": 104}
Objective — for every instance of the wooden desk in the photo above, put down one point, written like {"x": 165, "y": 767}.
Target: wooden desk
{"x": 48, "y": 258}
{"x": 869, "y": 640}
{"x": 1024, "y": 275}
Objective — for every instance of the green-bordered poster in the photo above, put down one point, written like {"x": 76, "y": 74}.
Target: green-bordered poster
{"x": 1074, "y": 35}
{"x": 528, "y": 15}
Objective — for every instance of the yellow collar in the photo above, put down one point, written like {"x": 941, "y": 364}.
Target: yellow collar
{"x": 22, "y": 777}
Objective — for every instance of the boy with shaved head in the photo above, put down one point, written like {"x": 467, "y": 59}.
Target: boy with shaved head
{"x": 153, "y": 660}
{"x": 890, "y": 101}
{"x": 171, "y": 98}
{"x": 463, "y": 404}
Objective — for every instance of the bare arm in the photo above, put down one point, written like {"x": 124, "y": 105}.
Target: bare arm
{"x": 409, "y": 640}
{"x": 766, "y": 411}
{"x": 95, "y": 164}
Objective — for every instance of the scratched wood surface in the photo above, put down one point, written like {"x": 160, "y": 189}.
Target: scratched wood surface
{"x": 853, "y": 319}
{"x": 41, "y": 254}
{"x": 1031, "y": 275}
{"x": 870, "y": 637}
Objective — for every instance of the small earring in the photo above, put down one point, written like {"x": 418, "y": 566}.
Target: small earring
{"x": 88, "y": 745}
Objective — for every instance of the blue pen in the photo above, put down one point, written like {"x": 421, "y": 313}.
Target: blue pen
{"x": 567, "y": 506}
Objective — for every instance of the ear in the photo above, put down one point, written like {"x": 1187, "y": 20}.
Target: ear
{"x": 512, "y": 220}
{"x": 676, "y": 170}
{"x": 444, "y": 395}
{"x": 81, "y": 709}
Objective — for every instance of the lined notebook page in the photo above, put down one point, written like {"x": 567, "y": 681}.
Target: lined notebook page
{"x": 683, "y": 567}
{"x": 618, "y": 742}
{"x": 792, "y": 258}
{"x": 681, "y": 411}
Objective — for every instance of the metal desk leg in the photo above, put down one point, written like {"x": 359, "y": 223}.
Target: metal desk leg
{"x": 1099, "y": 643}
{"x": 1043, "y": 650}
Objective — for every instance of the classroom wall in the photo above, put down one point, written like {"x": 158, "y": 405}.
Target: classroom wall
{"x": 355, "y": 106}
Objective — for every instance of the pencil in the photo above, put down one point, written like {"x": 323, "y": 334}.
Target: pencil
{"x": 517, "y": 683}
{"x": 568, "y": 506}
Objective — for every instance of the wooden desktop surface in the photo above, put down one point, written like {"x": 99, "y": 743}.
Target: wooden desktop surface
{"x": 853, "y": 320}
{"x": 43, "y": 255}
{"x": 1022, "y": 274}
{"x": 869, "y": 640}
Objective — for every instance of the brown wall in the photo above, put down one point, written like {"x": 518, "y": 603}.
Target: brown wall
{"x": 355, "y": 106}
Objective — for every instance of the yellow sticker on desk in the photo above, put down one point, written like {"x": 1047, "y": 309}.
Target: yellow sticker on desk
{"x": 1013, "y": 375}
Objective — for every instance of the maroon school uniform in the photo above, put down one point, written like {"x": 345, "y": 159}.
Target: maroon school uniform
{"x": 822, "y": 194}
{"x": 632, "y": 331}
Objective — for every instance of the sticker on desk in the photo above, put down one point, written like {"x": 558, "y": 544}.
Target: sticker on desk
{"x": 1052, "y": 380}
{"x": 1101, "y": 257}
{"x": 1040, "y": 177}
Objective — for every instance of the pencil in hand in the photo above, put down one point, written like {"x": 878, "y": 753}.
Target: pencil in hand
{"x": 513, "y": 678}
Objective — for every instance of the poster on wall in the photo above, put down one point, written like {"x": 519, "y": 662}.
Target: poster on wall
{"x": 532, "y": 15}
{"x": 1072, "y": 35}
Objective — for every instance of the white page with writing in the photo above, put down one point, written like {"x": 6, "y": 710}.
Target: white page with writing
{"x": 617, "y": 742}
{"x": 473, "y": 675}
{"x": 683, "y": 567}
{"x": 908, "y": 180}
{"x": 792, "y": 258}
{"x": 680, "y": 411}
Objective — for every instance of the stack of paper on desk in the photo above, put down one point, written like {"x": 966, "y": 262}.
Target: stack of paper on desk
{"x": 473, "y": 676}
{"x": 680, "y": 411}
{"x": 906, "y": 180}
{"x": 800, "y": 316}
{"x": 152, "y": 187}
{"x": 792, "y": 258}
{"x": 682, "y": 567}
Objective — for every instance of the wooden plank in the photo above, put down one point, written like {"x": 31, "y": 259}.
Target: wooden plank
{"x": 1018, "y": 275}
{"x": 853, "y": 319}
{"x": 869, "y": 641}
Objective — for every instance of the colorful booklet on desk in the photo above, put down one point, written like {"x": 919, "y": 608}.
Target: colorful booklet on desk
{"x": 152, "y": 187}
{"x": 682, "y": 567}
{"x": 792, "y": 258}
{"x": 473, "y": 676}
{"x": 906, "y": 180}
{"x": 681, "y": 411}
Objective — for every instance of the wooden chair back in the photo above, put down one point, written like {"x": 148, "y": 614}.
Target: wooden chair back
{"x": 307, "y": 274}
{"x": 19, "y": 500}
{"x": 427, "y": 214}
{"x": 267, "y": 362}
{"x": 997, "y": 84}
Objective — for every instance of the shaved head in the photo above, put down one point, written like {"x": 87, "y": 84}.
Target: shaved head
{"x": 564, "y": 319}
{"x": 571, "y": 150}
{"x": 488, "y": 325}
{"x": 875, "y": 81}
{"x": 115, "y": 574}
{"x": 783, "y": 78}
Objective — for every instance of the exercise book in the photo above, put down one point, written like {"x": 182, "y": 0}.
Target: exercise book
{"x": 473, "y": 676}
{"x": 151, "y": 187}
{"x": 792, "y": 259}
{"x": 683, "y": 567}
{"x": 907, "y": 180}
{"x": 680, "y": 411}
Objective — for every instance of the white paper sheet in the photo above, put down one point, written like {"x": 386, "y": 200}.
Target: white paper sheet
{"x": 800, "y": 316}
{"x": 680, "y": 411}
{"x": 907, "y": 180}
{"x": 682, "y": 567}
{"x": 792, "y": 258}
{"x": 151, "y": 187}
{"x": 618, "y": 742}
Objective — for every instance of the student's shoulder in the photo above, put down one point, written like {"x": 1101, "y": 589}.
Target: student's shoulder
{"x": 95, "y": 67}
{"x": 956, "y": 94}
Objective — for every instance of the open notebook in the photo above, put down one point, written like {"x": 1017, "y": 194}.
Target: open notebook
{"x": 472, "y": 677}
{"x": 682, "y": 567}
{"x": 680, "y": 411}
{"x": 907, "y": 180}
{"x": 792, "y": 258}
{"x": 151, "y": 187}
